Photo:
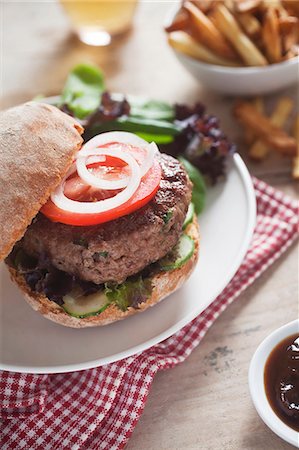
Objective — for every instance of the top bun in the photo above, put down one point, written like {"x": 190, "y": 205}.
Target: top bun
{"x": 37, "y": 146}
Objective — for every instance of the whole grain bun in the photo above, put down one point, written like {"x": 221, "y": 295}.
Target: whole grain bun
{"x": 164, "y": 284}
{"x": 37, "y": 145}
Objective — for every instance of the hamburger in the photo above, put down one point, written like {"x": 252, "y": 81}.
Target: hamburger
{"x": 91, "y": 233}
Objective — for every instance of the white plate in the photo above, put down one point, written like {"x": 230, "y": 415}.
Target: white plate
{"x": 30, "y": 343}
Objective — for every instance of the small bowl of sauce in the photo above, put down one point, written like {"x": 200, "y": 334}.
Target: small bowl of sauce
{"x": 281, "y": 378}
{"x": 274, "y": 382}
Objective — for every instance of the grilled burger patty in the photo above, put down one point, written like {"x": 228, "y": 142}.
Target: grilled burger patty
{"x": 118, "y": 249}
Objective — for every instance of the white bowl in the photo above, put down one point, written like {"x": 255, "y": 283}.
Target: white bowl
{"x": 257, "y": 388}
{"x": 239, "y": 80}
{"x": 243, "y": 80}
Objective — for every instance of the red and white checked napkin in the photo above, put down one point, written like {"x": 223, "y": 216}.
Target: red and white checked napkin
{"x": 99, "y": 408}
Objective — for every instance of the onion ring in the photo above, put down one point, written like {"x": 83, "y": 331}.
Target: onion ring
{"x": 122, "y": 137}
{"x": 94, "y": 181}
{"x": 61, "y": 201}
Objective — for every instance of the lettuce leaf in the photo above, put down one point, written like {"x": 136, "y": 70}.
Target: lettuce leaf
{"x": 83, "y": 89}
{"x": 199, "y": 186}
{"x": 129, "y": 293}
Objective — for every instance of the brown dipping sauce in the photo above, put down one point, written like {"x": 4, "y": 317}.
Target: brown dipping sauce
{"x": 281, "y": 378}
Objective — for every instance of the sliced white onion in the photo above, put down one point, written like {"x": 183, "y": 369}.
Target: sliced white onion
{"x": 152, "y": 150}
{"x": 62, "y": 202}
{"x": 96, "y": 159}
{"x": 114, "y": 136}
{"x": 91, "y": 160}
{"x": 100, "y": 183}
{"x": 121, "y": 137}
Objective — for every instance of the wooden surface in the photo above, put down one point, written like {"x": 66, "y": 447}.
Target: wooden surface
{"x": 204, "y": 403}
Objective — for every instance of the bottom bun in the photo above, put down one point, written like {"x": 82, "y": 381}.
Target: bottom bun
{"x": 164, "y": 284}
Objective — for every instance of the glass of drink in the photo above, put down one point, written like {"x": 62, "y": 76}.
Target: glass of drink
{"x": 98, "y": 21}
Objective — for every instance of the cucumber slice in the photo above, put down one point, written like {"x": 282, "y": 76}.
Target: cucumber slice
{"x": 85, "y": 306}
{"x": 189, "y": 216}
{"x": 179, "y": 255}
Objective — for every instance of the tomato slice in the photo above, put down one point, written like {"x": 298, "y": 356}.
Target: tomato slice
{"x": 111, "y": 169}
{"x": 78, "y": 190}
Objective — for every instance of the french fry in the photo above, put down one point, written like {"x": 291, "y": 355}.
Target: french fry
{"x": 280, "y": 115}
{"x": 271, "y": 36}
{"x": 258, "y": 104}
{"x": 292, "y": 6}
{"x": 184, "y": 43}
{"x": 289, "y": 30}
{"x": 287, "y": 24}
{"x": 204, "y": 5}
{"x": 207, "y": 33}
{"x": 289, "y": 41}
{"x": 248, "y": 5}
{"x": 295, "y": 172}
{"x": 250, "y": 24}
{"x": 230, "y": 5}
{"x": 180, "y": 22}
{"x": 239, "y": 32}
{"x": 262, "y": 127}
{"x": 228, "y": 25}
{"x": 292, "y": 53}
{"x": 276, "y": 4}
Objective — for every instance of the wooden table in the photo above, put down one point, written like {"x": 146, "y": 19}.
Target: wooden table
{"x": 203, "y": 403}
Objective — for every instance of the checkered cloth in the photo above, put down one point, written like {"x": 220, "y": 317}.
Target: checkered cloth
{"x": 99, "y": 408}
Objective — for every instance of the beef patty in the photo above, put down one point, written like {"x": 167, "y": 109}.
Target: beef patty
{"x": 115, "y": 250}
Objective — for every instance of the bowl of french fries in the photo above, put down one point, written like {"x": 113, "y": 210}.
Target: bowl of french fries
{"x": 238, "y": 47}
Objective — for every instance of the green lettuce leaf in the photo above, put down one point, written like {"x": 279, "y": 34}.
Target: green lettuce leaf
{"x": 83, "y": 89}
{"x": 147, "y": 109}
{"x": 152, "y": 109}
{"x": 199, "y": 186}
{"x": 130, "y": 293}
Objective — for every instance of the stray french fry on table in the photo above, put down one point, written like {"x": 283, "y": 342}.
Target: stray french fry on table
{"x": 258, "y": 104}
{"x": 280, "y": 115}
{"x": 273, "y": 135}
